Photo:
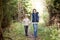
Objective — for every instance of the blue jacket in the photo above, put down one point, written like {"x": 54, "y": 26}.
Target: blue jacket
{"x": 35, "y": 17}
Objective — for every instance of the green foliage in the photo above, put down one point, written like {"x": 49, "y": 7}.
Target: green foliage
{"x": 27, "y": 5}
{"x": 54, "y": 10}
{"x": 53, "y": 3}
{"x": 9, "y": 10}
{"x": 16, "y": 32}
{"x": 45, "y": 17}
{"x": 48, "y": 33}
{"x": 10, "y": 7}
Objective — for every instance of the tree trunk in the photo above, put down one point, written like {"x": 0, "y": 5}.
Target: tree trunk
{"x": 1, "y": 17}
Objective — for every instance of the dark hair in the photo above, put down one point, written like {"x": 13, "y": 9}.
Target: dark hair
{"x": 33, "y": 10}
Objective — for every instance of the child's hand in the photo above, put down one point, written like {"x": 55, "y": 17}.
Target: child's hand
{"x": 29, "y": 23}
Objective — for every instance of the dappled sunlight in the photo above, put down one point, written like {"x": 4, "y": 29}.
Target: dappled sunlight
{"x": 40, "y": 6}
{"x": 12, "y": 24}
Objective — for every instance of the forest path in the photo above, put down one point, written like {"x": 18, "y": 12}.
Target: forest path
{"x": 31, "y": 36}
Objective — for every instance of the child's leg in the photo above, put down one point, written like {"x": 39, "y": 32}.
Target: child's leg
{"x": 26, "y": 30}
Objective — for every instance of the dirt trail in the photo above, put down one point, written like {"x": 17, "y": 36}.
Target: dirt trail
{"x": 31, "y": 37}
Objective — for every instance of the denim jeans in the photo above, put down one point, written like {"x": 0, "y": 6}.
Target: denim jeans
{"x": 35, "y": 26}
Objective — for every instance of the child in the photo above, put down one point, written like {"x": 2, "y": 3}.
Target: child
{"x": 26, "y": 23}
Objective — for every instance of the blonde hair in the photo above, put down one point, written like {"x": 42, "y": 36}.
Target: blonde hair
{"x": 26, "y": 15}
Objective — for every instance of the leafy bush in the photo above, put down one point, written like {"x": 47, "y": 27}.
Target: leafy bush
{"x": 46, "y": 33}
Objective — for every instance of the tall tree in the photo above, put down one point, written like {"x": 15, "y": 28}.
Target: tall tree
{"x": 54, "y": 12}
{"x": 1, "y": 17}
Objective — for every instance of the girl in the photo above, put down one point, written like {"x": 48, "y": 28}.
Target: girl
{"x": 26, "y": 23}
{"x": 35, "y": 20}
